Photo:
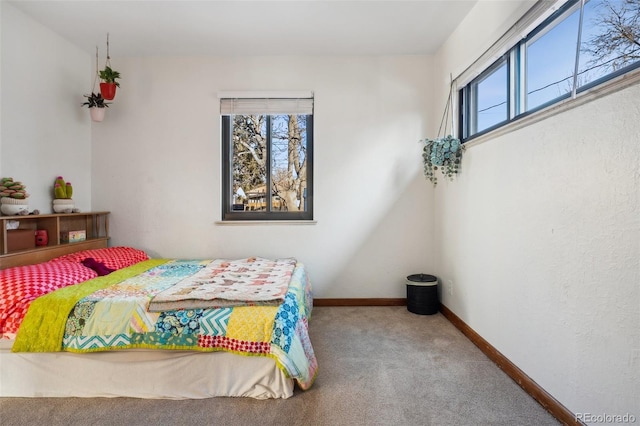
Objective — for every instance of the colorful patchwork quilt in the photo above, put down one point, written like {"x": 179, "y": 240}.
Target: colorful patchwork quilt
{"x": 111, "y": 312}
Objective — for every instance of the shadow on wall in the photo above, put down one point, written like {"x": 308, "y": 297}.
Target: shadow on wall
{"x": 397, "y": 244}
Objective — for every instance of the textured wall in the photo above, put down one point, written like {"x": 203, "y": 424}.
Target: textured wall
{"x": 540, "y": 238}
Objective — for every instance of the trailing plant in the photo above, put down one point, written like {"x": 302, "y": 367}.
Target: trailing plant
{"x": 95, "y": 100}
{"x": 108, "y": 75}
{"x": 445, "y": 153}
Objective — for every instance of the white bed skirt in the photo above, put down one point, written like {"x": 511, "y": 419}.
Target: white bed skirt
{"x": 140, "y": 374}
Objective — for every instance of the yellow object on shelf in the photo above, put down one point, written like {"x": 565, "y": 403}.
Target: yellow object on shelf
{"x": 73, "y": 236}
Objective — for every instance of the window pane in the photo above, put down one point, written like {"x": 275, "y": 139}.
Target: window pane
{"x": 269, "y": 152}
{"x": 543, "y": 65}
{"x": 551, "y": 59}
{"x": 249, "y": 156}
{"x": 288, "y": 162}
{"x": 491, "y": 94}
{"x": 610, "y": 38}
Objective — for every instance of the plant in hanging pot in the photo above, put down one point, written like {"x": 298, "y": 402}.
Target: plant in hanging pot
{"x": 96, "y": 104}
{"x": 108, "y": 84}
{"x": 446, "y": 153}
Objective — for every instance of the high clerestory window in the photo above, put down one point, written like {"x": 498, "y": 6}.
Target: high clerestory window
{"x": 267, "y": 158}
{"x": 576, "y": 46}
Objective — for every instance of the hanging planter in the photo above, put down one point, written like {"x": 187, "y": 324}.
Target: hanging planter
{"x": 444, "y": 152}
{"x": 108, "y": 90}
{"x": 96, "y": 101}
{"x": 108, "y": 76}
{"x": 97, "y": 106}
{"x": 108, "y": 84}
{"x": 97, "y": 114}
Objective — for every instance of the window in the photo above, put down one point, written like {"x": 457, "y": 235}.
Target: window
{"x": 566, "y": 51}
{"x": 550, "y": 61}
{"x": 610, "y": 43}
{"x": 267, "y": 146}
{"x": 490, "y": 97}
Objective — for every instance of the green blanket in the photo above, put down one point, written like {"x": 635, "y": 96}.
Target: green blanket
{"x": 42, "y": 328}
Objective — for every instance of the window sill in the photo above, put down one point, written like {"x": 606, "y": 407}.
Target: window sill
{"x": 612, "y": 86}
{"x": 264, "y": 222}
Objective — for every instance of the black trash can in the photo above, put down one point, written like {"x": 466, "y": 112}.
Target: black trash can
{"x": 422, "y": 294}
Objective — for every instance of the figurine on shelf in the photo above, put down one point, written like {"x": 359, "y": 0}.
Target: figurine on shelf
{"x": 62, "y": 192}
{"x": 13, "y": 197}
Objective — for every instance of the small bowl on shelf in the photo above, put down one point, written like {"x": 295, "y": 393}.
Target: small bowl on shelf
{"x": 63, "y": 205}
{"x": 13, "y": 206}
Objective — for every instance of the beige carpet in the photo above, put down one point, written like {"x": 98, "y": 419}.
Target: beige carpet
{"x": 378, "y": 366}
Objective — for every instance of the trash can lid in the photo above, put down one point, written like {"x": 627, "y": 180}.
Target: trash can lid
{"x": 422, "y": 279}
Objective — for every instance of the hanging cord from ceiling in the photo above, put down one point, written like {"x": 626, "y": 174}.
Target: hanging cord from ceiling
{"x": 97, "y": 76}
{"x": 448, "y": 109}
{"x": 108, "y": 61}
{"x": 106, "y": 64}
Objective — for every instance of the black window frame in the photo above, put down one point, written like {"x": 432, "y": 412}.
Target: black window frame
{"x": 228, "y": 214}
{"x": 468, "y": 98}
{"x": 540, "y": 31}
{"x": 517, "y": 76}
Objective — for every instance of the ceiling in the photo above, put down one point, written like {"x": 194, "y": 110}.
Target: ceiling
{"x": 249, "y": 28}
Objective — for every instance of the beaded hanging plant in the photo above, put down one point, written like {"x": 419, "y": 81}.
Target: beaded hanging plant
{"x": 444, "y": 152}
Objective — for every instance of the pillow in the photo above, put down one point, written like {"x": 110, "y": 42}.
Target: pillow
{"x": 113, "y": 257}
{"x": 21, "y": 285}
{"x": 99, "y": 267}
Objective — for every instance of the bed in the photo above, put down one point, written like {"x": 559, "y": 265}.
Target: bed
{"x": 112, "y": 322}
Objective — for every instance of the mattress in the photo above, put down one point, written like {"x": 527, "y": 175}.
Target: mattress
{"x": 140, "y": 373}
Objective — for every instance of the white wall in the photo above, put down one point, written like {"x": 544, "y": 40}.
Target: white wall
{"x": 155, "y": 160}
{"x": 156, "y": 166}
{"x": 540, "y": 236}
{"x": 44, "y": 132}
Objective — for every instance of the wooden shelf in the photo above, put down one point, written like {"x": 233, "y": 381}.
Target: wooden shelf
{"x": 95, "y": 224}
